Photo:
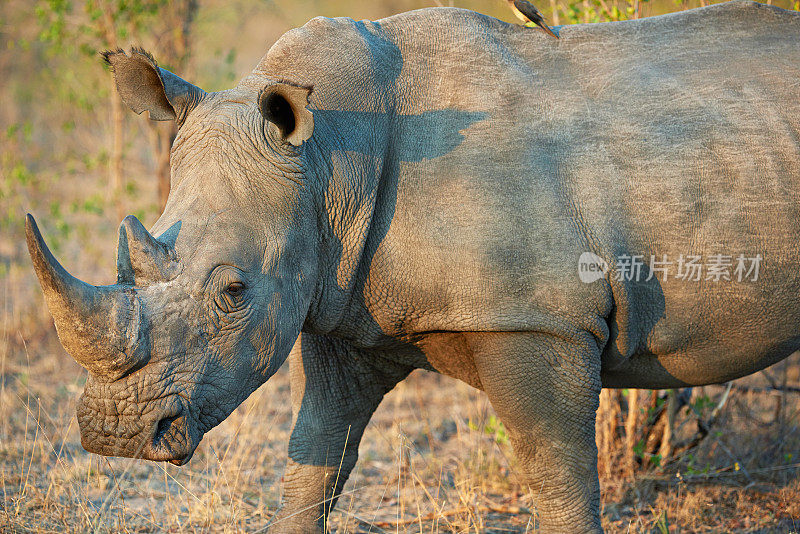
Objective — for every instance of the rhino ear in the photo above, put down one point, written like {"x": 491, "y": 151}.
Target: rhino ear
{"x": 285, "y": 105}
{"x": 144, "y": 86}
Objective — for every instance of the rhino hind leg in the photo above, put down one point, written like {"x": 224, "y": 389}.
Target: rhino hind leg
{"x": 546, "y": 391}
{"x": 335, "y": 391}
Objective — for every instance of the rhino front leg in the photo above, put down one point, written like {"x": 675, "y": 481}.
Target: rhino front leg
{"x": 545, "y": 388}
{"x": 335, "y": 391}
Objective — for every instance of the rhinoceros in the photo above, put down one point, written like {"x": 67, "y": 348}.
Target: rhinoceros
{"x": 423, "y": 191}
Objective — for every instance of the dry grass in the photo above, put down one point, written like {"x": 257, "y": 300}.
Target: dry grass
{"x": 431, "y": 461}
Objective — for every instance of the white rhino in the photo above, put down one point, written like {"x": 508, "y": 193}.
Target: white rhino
{"x": 416, "y": 192}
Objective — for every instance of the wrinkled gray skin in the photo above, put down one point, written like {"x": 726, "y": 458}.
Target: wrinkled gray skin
{"x": 424, "y": 206}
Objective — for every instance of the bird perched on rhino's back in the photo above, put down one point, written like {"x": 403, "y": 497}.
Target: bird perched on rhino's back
{"x": 527, "y": 12}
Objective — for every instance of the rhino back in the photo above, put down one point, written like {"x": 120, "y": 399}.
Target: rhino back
{"x": 506, "y": 154}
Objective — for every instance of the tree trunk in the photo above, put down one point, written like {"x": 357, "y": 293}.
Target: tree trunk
{"x": 606, "y": 427}
{"x": 116, "y": 179}
{"x": 162, "y": 134}
{"x": 175, "y": 51}
{"x": 630, "y": 431}
{"x": 554, "y": 9}
{"x": 668, "y": 437}
{"x": 116, "y": 182}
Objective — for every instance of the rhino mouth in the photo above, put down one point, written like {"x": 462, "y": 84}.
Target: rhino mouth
{"x": 161, "y": 431}
{"x": 171, "y": 441}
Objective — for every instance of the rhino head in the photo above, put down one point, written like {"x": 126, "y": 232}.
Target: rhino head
{"x": 207, "y": 306}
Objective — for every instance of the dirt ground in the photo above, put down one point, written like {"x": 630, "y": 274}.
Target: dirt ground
{"x": 434, "y": 459}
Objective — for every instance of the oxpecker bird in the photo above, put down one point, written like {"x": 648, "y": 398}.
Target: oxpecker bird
{"x": 527, "y": 12}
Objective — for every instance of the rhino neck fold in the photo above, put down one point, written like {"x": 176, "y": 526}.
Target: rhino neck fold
{"x": 353, "y": 219}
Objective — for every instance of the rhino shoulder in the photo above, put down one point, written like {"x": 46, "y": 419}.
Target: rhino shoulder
{"x": 325, "y": 39}
{"x": 298, "y": 41}
{"x": 321, "y": 46}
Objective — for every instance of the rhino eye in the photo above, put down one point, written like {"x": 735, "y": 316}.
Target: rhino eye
{"x": 235, "y": 289}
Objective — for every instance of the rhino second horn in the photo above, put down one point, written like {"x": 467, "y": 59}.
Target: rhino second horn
{"x": 98, "y": 326}
{"x": 141, "y": 258}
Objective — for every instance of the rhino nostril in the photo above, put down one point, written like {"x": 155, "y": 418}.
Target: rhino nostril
{"x": 163, "y": 427}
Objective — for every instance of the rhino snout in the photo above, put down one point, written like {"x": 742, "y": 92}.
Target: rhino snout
{"x": 166, "y": 434}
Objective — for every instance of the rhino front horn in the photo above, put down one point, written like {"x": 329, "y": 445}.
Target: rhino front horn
{"x": 98, "y": 326}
